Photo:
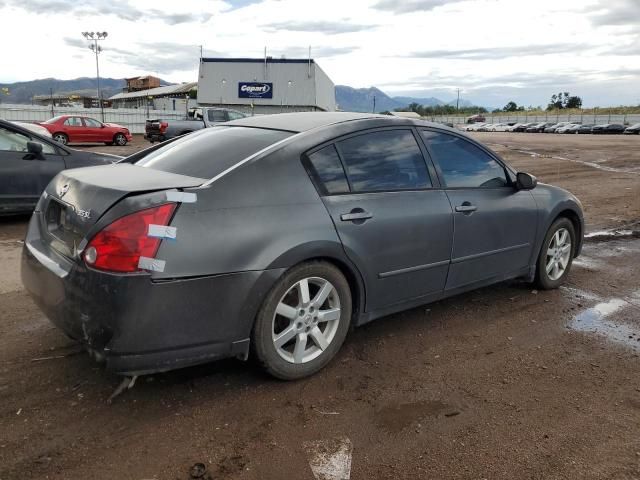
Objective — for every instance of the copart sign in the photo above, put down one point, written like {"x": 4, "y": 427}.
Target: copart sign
{"x": 255, "y": 90}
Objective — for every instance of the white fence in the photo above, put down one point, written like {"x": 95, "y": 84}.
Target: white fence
{"x": 132, "y": 118}
{"x": 599, "y": 119}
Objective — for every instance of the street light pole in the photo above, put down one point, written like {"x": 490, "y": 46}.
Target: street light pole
{"x": 96, "y": 49}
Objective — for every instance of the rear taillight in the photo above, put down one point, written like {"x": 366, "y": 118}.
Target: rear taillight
{"x": 163, "y": 126}
{"x": 119, "y": 246}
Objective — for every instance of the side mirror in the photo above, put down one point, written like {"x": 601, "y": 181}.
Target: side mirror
{"x": 525, "y": 181}
{"x": 34, "y": 151}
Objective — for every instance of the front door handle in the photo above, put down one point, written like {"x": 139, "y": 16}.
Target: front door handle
{"x": 466, "y": 207}
{"x": 355, "y": 215}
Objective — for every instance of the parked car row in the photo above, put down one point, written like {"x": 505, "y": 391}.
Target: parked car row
{"x": 551, "y": 127}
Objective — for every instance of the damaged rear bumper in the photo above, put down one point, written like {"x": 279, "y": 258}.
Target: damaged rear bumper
{"x": 143, "y": 326}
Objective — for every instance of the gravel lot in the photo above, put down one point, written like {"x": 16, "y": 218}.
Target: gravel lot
{"x": 501, "y": 383}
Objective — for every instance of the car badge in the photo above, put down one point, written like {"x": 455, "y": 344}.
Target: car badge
{"x": 63, "y": 189}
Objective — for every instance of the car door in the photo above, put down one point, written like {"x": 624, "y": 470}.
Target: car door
{"x": 394, "y": 222}
{"x": 23, "y": 178}
{"x": 75, "y": 130}
{"x": 93, "y": 131}
{"x": 494, "y": 223}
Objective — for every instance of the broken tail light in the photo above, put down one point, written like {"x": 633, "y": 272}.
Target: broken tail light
{"x": 119, "y": 246}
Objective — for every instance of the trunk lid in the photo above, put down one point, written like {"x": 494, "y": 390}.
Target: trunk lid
{"x": 76, "y": 199}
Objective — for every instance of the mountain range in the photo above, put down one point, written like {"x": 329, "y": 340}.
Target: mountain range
{"x": 347, "y": 98}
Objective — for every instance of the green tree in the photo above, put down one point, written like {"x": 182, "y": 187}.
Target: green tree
{"x": 573, "y": 102}
{"x": 510, "y": 107}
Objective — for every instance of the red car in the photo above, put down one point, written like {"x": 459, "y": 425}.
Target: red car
{"x": 75, "y": 129}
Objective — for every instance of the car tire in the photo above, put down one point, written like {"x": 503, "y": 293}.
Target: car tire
{"x": 556, "y": 254}
{"x": 297, "y": 333}
{"x": 61, "y": 138}
{"x": 119, "y": 139}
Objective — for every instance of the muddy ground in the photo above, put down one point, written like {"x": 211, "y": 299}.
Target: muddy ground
{"x": 502, "y": 383}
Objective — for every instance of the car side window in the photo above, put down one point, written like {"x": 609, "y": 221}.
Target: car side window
{"x": 384, "y": 160}
{"x": 235, "y": 115}
{"x": 217, "y": 116}
{"x": 463, "y": 164}
{"x": 327, "y": 172}
{"x": 90, "y": 122}
{"x": 73, "y": 122}
{"x": 16, "y": 142}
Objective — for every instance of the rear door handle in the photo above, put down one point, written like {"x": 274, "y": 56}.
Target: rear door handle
{"x": 466, "y": 207}
{"x": 356, "y": 214}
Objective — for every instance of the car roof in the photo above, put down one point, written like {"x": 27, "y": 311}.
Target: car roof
{"x": 302, "y": 121}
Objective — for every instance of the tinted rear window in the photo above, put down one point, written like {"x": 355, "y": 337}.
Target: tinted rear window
{"x": 208, "y": 152}
{"x": 327, "y": 171}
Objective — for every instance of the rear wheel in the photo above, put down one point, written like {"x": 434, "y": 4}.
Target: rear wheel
{"x": 119, "y": 139}
{"x": 303, "y": 321}
{"x": 556, "y": 254}
{"x": 61, "y": 138}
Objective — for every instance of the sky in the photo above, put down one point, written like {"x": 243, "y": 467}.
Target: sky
{"x": 494, "y": 51}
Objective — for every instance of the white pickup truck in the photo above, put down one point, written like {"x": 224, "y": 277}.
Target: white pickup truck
{"x": 198, "y": 118}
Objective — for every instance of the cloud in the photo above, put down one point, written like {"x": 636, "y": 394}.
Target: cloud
{"x": 516, "y": 80}
{"x": 158, "y": 57}
{"x": 316, "y": 52}
{"x": 75, "y": 42}
{"x": 119, "y": 8}
{"x": 333, "y": 27}
{"x": 411, "y": 6}
{"x": 496, "y": 53}
{"x": 615, "y": 13}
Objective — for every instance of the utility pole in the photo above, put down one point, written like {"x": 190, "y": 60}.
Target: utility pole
{"x": 52, "y": 101}
{"x": 458, "y": 101}
{"x": 96, "y": 49}
{"x": 374, "y": 104}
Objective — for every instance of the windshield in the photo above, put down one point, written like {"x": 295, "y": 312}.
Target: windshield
{"x": 211, "y": 151}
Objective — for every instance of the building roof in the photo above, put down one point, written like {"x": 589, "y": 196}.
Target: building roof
{"x": 158, "y": 91}
{"x": 301, "y": 121}
{"x": 256, "y": 60}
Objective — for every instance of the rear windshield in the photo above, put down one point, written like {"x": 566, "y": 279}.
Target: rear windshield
{"x": 53, "y": 120}
{"x": 208, "y": 152}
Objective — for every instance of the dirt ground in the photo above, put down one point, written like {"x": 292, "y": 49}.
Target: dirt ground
{"x": 502, "y": 383}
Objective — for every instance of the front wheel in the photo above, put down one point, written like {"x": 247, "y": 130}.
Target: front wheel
{"x": 303, "y": 321}
{"x": 556, "y": 254}
{"x": 120, "y": 140}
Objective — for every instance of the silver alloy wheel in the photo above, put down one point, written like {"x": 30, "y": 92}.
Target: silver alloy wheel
{"x": 558, "y": 254}
{"x": 121, "y": 140}
{"x": 306, "y": 320}
{"x": 60, "y": 138}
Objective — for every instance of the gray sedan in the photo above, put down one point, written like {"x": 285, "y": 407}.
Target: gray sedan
{"x": 273, "y": 235}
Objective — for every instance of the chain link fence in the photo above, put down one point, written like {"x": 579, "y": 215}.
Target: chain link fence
{"x": 520, "y": 117}
{"x": 132, "y": 118}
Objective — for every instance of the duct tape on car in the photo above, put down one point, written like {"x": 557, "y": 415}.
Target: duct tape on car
{"x": 151, "y": 264}
{"x": 162, "y": 231}
{"x": 183, "y": 197}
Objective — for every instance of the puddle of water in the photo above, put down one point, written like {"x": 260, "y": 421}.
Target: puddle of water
{"x": 594, "y": 320}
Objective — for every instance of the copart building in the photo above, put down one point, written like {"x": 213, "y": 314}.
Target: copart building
{"x": 265, "y": 85}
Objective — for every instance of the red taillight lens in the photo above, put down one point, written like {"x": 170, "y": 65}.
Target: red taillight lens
{"x": 119, "y": 246}
{"x": 163, "y": 126}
